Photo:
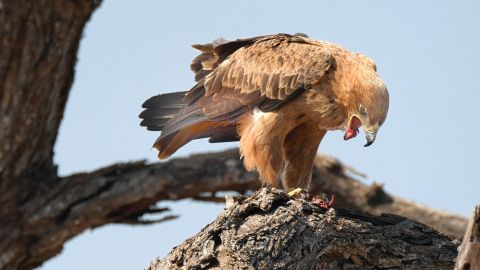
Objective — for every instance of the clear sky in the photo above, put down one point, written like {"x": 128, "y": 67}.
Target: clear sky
{"x": 426, "y": 51}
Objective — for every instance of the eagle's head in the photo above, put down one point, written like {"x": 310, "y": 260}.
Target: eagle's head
{"x": 370, "y": 111}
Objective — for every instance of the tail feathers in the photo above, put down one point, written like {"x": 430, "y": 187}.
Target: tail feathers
{"x": 168, "y": 100}
{"x": 160, "y": 109}
{"x": 181, "y": 122}
{"x": 158, "y": 112}
{"x": 167, "y": 145}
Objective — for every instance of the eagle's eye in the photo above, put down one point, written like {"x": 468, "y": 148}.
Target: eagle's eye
{"x": 362, "y": 110}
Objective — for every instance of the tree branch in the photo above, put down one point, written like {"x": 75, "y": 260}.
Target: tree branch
{"x": 271, "y": 231}
{"x": 123, "y": 193}
{"x": 217, "y": 172}
{"x": 332, "y": 177}
{"x": 469, "y": 255}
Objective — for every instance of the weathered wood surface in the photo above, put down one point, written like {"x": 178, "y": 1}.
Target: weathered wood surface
{"x": 123, "y": 193}
{"x": 39, "y": 41}
{"x": 271, "y": 231}
{"x": 469, "y": 254}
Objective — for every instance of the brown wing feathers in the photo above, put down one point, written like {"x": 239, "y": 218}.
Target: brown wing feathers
{"x": 232, "y": 78}
{"x": 274, "y": 66}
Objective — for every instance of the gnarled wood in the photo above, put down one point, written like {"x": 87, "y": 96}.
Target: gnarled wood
{"x": 39, "y": 42}
{"x": 351, "y": 193}
{"x": 469, "y": 254}
{"x": 123, "y": 193}
{"x": 271, "y": 231}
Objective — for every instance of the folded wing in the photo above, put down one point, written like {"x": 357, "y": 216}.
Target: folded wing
{"x": 234, "y": 77}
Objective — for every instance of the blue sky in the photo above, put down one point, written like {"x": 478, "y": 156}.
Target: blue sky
{"x": 426, "y": 52}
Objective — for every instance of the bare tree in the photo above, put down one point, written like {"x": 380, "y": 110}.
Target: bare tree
{"x": 39, "y": 211}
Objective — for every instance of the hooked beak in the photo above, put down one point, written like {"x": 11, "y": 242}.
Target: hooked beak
{"x": 352, "y": 130}
{"x": 370, "y": 136}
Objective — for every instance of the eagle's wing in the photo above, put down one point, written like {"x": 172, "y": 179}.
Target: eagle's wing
{"x": 233, "y": 77}
{"x": 262, "y": 72}
{"x": 207, "y": 60}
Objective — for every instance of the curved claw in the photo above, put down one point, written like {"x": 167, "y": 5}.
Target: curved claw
{"x": 295, "y": 192}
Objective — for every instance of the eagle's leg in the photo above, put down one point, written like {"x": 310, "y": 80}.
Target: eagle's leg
{"x": 299, "y": 152}
{"x": 261, "y": 147}
{"x": 321, "y": 201}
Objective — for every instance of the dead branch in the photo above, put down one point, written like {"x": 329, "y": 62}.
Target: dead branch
{"x": 469, "y": 254}
{"x": 332, "y": 177}
{"x": 123, "y": 193}
{"x": 271, "y": 231}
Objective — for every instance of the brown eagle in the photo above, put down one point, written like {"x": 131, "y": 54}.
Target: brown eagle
{"x": 276, "y": 94}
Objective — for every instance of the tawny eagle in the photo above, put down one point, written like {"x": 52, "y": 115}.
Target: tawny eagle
{"x": 278, "y": 95}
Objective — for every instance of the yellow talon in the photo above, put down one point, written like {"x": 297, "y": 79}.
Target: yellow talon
{"x": 295, "y": 192}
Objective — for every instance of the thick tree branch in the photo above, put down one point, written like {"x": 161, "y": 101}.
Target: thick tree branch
{"x": 469, "y": 255}
{"x": 333, "y": 177}
{"x": 202, "y": 176}
{"x": 122, "y": 193}
{"x": 271, "y": 231}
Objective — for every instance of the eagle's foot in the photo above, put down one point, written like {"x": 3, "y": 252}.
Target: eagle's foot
{"x": 324, "y": 203}
{"x": 295, "y": 192}
{"x": 321, "y": 201}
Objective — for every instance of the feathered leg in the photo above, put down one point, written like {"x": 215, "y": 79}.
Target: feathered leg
{"x": 261, "y": 145}
{"x": 299, "y": 151}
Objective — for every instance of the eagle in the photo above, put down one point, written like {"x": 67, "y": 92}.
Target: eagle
{"x": 276, "y": 94}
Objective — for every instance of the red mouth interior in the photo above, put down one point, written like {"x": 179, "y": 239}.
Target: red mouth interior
{"x": 352, "y": 129}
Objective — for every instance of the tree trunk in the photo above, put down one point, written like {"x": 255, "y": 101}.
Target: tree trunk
{"x": 271, "y": 231}
{"x": 39, "y": 42}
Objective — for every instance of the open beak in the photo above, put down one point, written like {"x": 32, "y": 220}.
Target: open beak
{"x": 370, "y": 136}
{"x": 351, "y": 130}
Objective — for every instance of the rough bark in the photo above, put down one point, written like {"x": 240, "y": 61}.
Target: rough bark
{"x": 351, "y": 193}
{"x": 469, "y": 254}
{"x": 39, "y": 42}
{"x": 123, "y": 193}
{"x": 271, "y": 231}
